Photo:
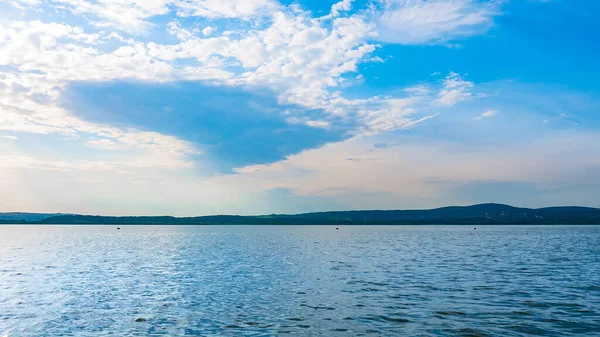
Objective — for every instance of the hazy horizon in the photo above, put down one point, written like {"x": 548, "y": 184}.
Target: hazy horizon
{"x": 272, "y": 213}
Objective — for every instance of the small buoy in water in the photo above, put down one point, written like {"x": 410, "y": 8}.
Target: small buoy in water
{"x": 475, "y": 228}
{"x": 337, "y": 228}
{"x": 140, "y": 320}
{"x": 118, "y": 227}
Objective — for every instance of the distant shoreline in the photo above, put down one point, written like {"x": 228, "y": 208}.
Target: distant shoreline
{"x": 482, "y": 214}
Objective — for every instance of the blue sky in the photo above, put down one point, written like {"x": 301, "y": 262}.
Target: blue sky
{"x": 191, "y": 107}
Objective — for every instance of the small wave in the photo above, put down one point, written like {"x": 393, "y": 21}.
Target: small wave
{"x": 383, "y": 318}
{"x": 451, "y": 313}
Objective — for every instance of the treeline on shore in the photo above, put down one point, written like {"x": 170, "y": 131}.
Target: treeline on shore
{"x": 476, "y": 214}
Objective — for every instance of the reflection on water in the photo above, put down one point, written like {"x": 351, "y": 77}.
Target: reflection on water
{"x": 307, "y": 281}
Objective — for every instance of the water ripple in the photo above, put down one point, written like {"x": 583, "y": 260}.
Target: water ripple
{"x": 305, "y": 280}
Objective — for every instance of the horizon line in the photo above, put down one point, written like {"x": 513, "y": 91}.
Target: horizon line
{"x": 301, "y": 213}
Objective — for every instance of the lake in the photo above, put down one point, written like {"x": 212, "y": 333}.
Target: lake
{"x": 299, "y": 280}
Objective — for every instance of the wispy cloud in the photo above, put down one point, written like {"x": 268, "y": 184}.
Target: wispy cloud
{"x": 104, "y": 143}
{"x": 418, "y": 90}
{"x": 208, "y": 30}
{"x": 342, "y": 6}
{"x": 10, "y": 137}
{"x": 134, "y": 16}
{"x": 455, "y": 89}
{"x": 487, "y": 114}
{"x": 432, "y": 172}
{"x": 433, "y": 21}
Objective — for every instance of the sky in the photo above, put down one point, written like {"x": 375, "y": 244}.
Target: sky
{"x": 194, "y": 107}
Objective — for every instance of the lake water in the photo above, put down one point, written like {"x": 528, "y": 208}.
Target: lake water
{"x": 300, "y": 280}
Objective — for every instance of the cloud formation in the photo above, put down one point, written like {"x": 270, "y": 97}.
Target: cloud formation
{"x": 455, "y": 90}
{"x": 230, "y": 126}
{"x": 299, "y": 60}
{"x": 433, "y": 21}
{"x": 487, "y": 113}
{"x": 323, "y": 106}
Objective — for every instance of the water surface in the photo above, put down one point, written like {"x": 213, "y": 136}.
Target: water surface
{"x": 299, "y": 280}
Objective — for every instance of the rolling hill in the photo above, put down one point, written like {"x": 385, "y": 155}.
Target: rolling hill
{"x": 476, "y": 214}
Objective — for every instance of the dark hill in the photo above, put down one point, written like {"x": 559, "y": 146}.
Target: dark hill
{"x": 476, "y": 214}
{"x": 19, "y": 216}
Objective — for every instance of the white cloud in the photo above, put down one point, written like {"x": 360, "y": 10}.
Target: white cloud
{"x": 297, "y": 56}
{"x": 174, "y": 28}
{"x": 302, "y": 59}
{"x": 455, "y": 90}
{"x": 22, "y": 4}
{"x": 342, "y": 6}
{"x": 133, "y": 16}
{"x": 208, "y": 31}
{"x": 13, "y": 118}
{"x": 433, "y": 21}
{"x": 418, "y": 89}
{"x": 104, "y": 143}
{"x": 486, "y": 114}
{"x": 224, "y": 8}
{"x": 129, "y": 15}
{"x": 318, "y": 124}
{"x": 391, "y": 114}
{"x": 10, "y": 137}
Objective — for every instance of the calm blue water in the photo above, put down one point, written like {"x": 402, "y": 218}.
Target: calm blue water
{"x": 306, "y": 281}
